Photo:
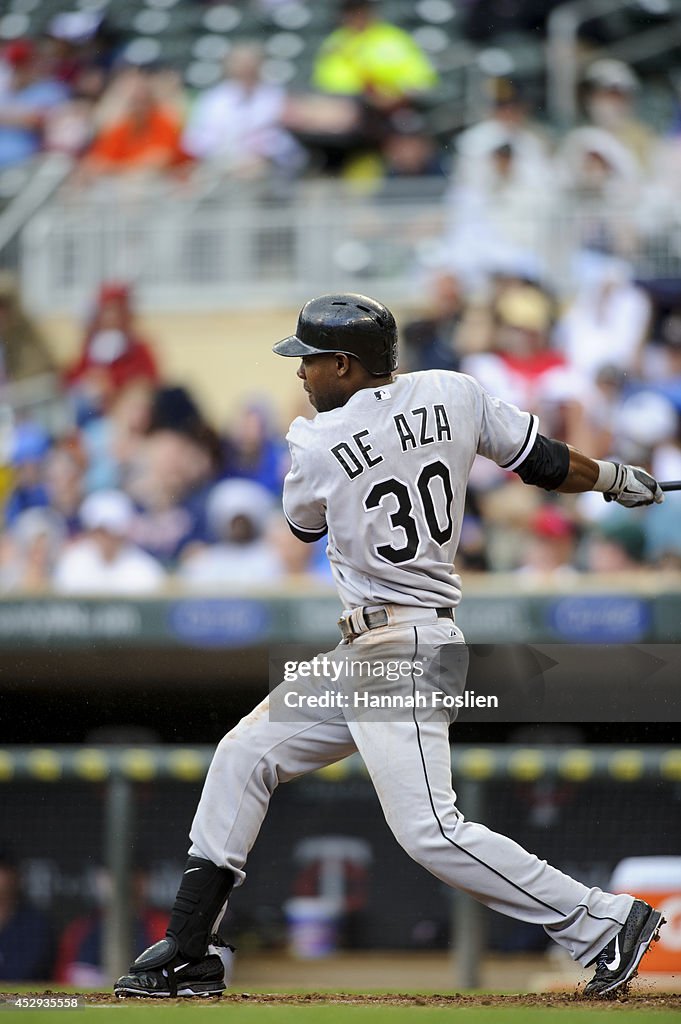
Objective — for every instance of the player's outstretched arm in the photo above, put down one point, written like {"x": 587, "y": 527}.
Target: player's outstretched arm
{"x": 556, "y": 466}
{"x": 630, "y": 486}
{"x": 511, "y": 438}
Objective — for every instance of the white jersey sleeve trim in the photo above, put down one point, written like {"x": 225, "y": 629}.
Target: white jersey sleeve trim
{"x": 526, "y": 446}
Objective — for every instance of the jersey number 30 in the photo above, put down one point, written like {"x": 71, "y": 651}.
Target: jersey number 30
{"x": 402, "y": 517}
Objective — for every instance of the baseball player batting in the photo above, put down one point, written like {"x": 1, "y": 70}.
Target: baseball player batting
{"x": 382, "y": 470}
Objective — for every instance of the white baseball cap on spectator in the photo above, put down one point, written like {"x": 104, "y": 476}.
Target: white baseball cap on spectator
{"x": 608, "y": 73}
{"x": 647, "y": 419}
{"x": 232, "y": 498}
{"x": 112, "y": 511}
{"x": 592, "y": 140}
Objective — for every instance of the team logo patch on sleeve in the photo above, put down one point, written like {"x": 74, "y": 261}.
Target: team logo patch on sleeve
{"x": 382, "y": 395}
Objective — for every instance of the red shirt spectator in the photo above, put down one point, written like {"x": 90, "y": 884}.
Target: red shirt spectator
{"x": 112, "y": 350}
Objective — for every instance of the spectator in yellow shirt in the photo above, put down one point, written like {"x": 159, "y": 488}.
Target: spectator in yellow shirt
{"x": 371, "y": 58}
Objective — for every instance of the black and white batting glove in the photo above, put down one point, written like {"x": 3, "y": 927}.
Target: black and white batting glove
{"x": 633, "y": 487}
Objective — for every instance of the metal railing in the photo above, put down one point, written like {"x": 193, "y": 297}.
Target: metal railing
{"x": 120, "y": 769}
{"x": 244, "y": 249}
{"x": 40, "y": 182}
{"x": 239, "y": 249}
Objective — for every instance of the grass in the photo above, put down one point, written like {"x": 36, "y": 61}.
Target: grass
{"x": 314, "y": 1013}
{"x": 350, "y": 1015}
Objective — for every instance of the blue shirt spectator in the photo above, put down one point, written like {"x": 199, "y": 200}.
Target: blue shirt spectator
{"x": 30, "y": 445}
{"x": 255, "y": 450}
{"x": 23, "y": 103}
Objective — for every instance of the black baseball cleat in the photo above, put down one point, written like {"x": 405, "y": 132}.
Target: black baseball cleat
{"x": 617, "y": 962}
{"x": 159, "y": 972}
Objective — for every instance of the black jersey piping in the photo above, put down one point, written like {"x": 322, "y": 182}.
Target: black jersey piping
{"x": 517, "y": 458}
{"x": 440, "y": 826}
{"x": 307, "y": 536}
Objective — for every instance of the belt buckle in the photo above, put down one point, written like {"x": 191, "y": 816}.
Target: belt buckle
{"x": 345, "y": 626}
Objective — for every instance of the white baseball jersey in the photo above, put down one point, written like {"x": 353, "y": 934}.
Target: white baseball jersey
{"x": 386, "y": 474}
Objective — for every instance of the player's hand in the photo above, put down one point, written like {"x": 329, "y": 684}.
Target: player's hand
{"x": 634, "y": 487}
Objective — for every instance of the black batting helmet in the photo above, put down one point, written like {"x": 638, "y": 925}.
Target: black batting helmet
{"x": 349, "y": 323}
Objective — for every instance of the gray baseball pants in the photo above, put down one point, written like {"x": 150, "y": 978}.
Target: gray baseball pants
{"x": 409, "y": 761}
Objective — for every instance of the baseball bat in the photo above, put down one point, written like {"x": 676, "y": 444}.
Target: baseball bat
{"x": 671, "y": 485}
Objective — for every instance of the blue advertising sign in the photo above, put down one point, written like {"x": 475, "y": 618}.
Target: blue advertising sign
{"x": 602, "y": 618}
{"x": 219, "y": 622}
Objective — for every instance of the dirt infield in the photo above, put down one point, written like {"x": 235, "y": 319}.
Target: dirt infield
{"x": 633, "y": 1001}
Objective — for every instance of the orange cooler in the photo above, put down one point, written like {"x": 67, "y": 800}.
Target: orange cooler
{"x": 657, "y": 880}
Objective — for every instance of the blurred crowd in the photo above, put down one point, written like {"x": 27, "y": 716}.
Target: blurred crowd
{"x": 127, "y": 487}
{"x": 132, "y": 484}
{"x": 77, "y": 91}
{"x": 510, "y": 190}
{"x": 601, "y": 369}
{"x": 365, "y": 113}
